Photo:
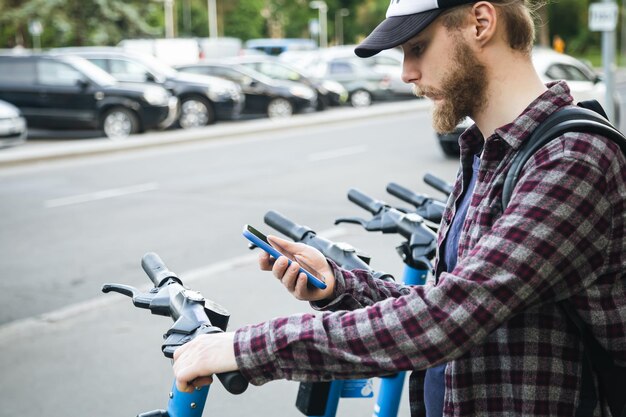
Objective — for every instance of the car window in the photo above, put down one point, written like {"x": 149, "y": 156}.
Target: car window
{"x": 340, "y": 67}
{"x": 566, "y": 72}
{"x": 57, "y": 73}
{"x": 195, "y": 70}
{"x": 276, "y": 71}
{"x": 128, "y": 71}
{"x": 385, "y": 60}
{"x": 17, "y": 72}
{"x": 232, "y": 75}
{"x": 100, "y": 63}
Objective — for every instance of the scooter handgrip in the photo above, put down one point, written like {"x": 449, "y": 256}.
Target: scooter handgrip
{"x": 285, "y": 226}
{"x": 156, "y": 269}
{"x": 438, "y": 184}
{"x": 234, "y": 382}
{"x": 405, "y": 194}
{"x": 364, "y": 201}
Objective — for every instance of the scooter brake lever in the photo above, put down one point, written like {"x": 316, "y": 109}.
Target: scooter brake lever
{"x": 140, "y": 300}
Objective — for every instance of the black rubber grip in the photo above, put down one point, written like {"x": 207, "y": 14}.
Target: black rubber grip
{"x": 285, "y": 226}
{"x": 234, "y": 382}
{"x": 405, "y": 194}
{"x": 156, "y": 269}
{"x": 364, "y": 201}
{"x": 438, "y": 184}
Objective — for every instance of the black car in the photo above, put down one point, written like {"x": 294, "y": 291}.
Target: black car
{"x": 203, "y": 100}
{"x": 263, "y": 94}
{"x": 329, "y": 93}
{"x": 12, "y": 125}
{"x": 63, "y": 92}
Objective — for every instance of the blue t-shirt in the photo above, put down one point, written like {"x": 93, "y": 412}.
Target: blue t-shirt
{"x": 434, "y": 381}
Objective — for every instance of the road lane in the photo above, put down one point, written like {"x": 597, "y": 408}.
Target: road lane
{"x": 206, "y": 192}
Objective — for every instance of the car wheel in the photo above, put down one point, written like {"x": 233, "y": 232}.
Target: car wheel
{"x": 279, "y": 108}
{"x": 450, "y": 149}
{"x": 195, "y": 112}
{"x": 119, "y": 123}
{"x": 361, "y": 98}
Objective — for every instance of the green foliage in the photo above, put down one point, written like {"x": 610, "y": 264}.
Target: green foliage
{"x": 77, "y": 22}
{"x": 106, "y": 22}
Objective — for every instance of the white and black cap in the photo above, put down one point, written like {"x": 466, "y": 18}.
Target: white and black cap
{"x": 405, "y": 19}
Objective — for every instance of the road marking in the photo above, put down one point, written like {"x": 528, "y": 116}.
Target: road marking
{"x": 337, "y": 153}
{"x": 101, "y": 195}
{"x": 10, "y": 331}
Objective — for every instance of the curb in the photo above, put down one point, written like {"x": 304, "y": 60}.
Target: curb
{"x": 72, "y": 149}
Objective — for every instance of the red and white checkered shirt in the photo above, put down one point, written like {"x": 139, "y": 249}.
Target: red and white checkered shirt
{"x": 510, "y": 349}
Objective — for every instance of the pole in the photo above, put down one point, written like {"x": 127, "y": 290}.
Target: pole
{"x": 169, "y": 18}
{"x": 323, "y": 26}
{"x": 339, "y": 15}
{"x": 608, "y": 60}
{"x": 322, "y": 9}
{"x": 212, "y": 19}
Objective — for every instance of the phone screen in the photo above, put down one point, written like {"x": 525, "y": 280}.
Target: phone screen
{"x": 307, "y": 269}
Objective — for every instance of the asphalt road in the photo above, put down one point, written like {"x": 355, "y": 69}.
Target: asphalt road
{"x": 71, "y": 225}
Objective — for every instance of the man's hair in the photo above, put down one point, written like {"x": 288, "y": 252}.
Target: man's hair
{"x": 517, "y": 16}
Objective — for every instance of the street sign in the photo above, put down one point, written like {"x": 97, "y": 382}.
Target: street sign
{"x": 603, "y": 17}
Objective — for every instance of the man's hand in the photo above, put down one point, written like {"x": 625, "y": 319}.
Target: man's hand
{"x": 296, "y": 283}
{"x": 195, "y": 362}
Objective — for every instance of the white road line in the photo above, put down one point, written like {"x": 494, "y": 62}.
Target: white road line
{"x": 10, "y": 331}
{"x": 337, "y": 153}
{"x": 101, "y": 195}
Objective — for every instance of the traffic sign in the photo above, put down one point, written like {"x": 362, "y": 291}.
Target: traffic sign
{"x": 603, "y": 17}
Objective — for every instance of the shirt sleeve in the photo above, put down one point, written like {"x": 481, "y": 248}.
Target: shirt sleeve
{"x": 549, "y": 244}
{"x": 358, "y": 288}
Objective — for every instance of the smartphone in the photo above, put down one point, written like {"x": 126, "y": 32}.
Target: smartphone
{"x": 259, "y": 239}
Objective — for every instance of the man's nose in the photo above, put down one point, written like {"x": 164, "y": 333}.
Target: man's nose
{"x": 410, "y": 71}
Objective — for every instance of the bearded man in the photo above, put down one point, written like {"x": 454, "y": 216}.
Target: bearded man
{"x": 487, "y": 328}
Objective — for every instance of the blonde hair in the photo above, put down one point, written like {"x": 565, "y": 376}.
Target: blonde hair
{"x": 517, "y": 16}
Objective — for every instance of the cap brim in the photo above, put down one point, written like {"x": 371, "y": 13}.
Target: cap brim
{"x": 394, "y": 31}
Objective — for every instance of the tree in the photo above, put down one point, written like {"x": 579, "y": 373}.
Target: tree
{"x": 79, "y": 22}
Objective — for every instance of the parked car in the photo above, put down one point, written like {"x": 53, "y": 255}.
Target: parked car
{"x": 12, "y": 125}
{"x": 66, "y": 92}
{"x": 278, "y": 46}
{"x": 387, "y": 62}
{"x": 329, "y": 93}
{"x": 203, "y": 100}
{"x": 364, "y": 85}
{"x": 263, "y": 95}
{"x": 583, "y": 81}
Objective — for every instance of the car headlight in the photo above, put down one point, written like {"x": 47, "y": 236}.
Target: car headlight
{"x": 223, "y": 92}
{"x": 302, "y": 92}
{"x": 156, "y": 96}
{"x": 334, "y": 86}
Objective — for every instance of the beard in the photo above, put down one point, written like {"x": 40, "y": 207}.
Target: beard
{"x": 463, "y": 93}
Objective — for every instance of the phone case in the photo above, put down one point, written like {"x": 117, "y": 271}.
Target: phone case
{"x": 276, "y": 254}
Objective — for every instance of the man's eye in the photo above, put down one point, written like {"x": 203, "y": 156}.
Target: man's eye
{"x": 417, "y": 50}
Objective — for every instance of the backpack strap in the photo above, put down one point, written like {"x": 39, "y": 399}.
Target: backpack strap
{"x": 587, "y": 117}
{"x": 569, "y": 119}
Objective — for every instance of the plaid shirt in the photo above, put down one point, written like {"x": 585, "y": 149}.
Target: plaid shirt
{"x": 510, "y": 349}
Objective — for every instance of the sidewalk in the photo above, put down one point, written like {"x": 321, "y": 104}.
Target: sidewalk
{"x": 76, "y": 148}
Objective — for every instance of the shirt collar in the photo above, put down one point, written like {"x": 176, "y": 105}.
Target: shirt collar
{"x": 555, "y": 97}
{"x": 515, "y": 133}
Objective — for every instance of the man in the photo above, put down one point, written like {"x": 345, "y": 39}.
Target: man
{"x": 492, "y": 313}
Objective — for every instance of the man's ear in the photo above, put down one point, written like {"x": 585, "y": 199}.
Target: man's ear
{"x": 484, "y": 22}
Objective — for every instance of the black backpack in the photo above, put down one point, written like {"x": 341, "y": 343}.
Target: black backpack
{"x": 587, "y": 117}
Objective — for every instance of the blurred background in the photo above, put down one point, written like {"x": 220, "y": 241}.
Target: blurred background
{"x": 129, "y": 126}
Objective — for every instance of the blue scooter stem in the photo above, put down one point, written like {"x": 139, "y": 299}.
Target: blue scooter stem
{"x": 183, "y": 404}
{"x": 390, "y": 392}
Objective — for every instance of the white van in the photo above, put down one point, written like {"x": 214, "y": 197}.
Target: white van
{"x": 172, "y": 51}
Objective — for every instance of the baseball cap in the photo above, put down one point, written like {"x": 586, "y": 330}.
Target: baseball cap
{"x": 405, "y": 19}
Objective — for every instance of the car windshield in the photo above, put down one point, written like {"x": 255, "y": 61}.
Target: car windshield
{"x": 94, "y": 72}
{"x": 155, "y": 66}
